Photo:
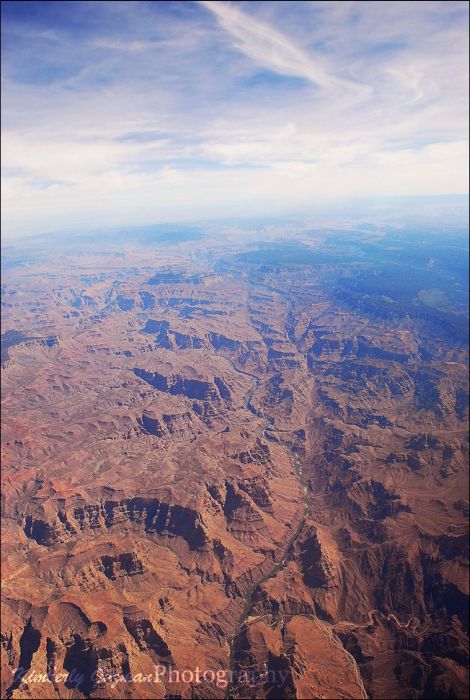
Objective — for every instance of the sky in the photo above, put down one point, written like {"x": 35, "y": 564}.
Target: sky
{"x": 124, "y": 113}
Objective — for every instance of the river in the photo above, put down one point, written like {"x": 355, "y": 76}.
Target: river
{"x": 287, "y": 552}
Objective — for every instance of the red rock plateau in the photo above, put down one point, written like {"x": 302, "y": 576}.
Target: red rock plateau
{"x": 217, "y": 464}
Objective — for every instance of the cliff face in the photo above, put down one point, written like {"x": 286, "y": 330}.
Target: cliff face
{"x": 232, "y": 472}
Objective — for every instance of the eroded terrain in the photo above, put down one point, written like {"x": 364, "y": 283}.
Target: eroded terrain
{"x": 251, "y": 463}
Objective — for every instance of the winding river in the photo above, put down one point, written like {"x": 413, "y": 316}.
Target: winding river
{"x": 287, "y": 552}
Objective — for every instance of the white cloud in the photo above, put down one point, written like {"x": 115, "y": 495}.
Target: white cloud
{"x": 270, "y": 48}
{"x": 130, "y": 46}
{"x": 170, "y": 118}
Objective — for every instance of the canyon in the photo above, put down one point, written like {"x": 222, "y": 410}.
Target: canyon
{"x": 245, "y": 456}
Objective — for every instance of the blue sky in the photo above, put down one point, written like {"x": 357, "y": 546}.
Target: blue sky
{"x": 139, "y": 112}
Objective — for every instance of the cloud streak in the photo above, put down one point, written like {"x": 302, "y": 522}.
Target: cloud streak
{"x": 131, "y": 112}
{"x": 268, "y": 47}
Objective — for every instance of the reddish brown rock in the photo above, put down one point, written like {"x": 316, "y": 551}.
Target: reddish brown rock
{"x": 228, "y": 471}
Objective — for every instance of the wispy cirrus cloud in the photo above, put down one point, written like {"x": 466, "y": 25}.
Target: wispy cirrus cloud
{"x": 133, "y": 111}
{"x": 267, "y": 46}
